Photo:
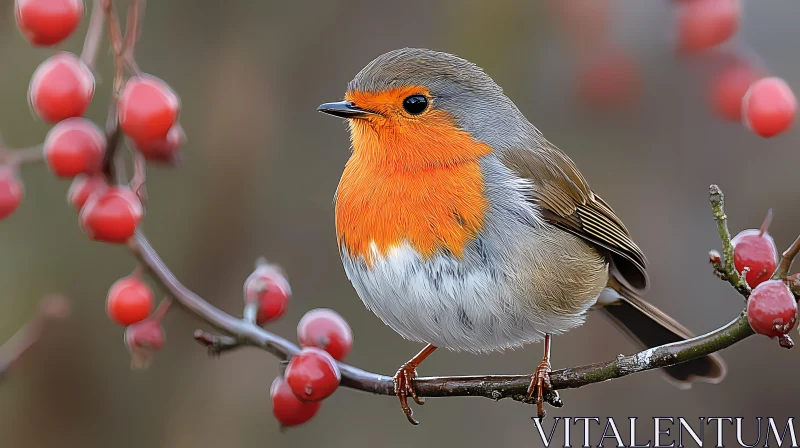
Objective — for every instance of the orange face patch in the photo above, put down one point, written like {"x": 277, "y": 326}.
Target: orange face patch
{"x": 411, "y": 178}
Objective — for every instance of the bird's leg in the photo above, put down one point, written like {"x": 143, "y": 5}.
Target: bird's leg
{"x": 540, "y": 380}
{"x": 404, "y": 378}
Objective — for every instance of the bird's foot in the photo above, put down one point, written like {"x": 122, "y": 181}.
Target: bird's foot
{"x": 404, "y": 386}
{"x": 541, "y": 388}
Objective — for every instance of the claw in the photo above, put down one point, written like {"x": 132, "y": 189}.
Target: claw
{"x": 403, "y": 387}
{"x": 540, "y": 383}
{"x": 404, "y": 382}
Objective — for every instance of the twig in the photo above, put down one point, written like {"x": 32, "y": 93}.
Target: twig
{"x": 17, "y": 157}
{"x": 132, "y": 31}
{"x": 786, "y": 260}
{"x": 53, "y": 307}
{"x": 216, "y": 343}
{"x": 139, "y": 176}
{"x": 94, "y": 35}
{"x": 492, "y": 386}
{"x": 718, "y": 210}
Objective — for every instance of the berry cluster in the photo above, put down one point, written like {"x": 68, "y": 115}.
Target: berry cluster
{"x": 146, "y": 110}
{"x": 739, "y": 89}
{"x": 325, "y": 337}
{"x": 312, "y": 374}
{"x": 60, "y": 92}
{"x": 772, "y": 306}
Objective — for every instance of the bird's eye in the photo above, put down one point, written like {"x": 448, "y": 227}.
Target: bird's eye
{"x": 415, "y": 104}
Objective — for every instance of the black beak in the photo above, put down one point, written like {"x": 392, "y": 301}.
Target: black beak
{"x": 344, "y": 109}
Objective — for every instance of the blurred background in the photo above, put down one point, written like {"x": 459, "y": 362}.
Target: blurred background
{"x": 262, "y": 167}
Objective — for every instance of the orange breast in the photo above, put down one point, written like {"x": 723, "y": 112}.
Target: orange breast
{"x": 410, "y": 183}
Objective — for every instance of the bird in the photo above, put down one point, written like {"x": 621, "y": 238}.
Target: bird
{"x": 462, "y": 227}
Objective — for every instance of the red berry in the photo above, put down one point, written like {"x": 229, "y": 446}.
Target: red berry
{"x": 287, "y": 408}
{"x": 327, "y": 330}
{"x": 312, "y": 374}
{"x": 75, "y": 146}
{"x": 703, "y": 24}
{"x": 772, "y": 309}
{"x": 129, "y": 301}
{"x": 84, "y": 187}
{"x": 755, "y": 249}
{"x": 272, "y": 291}
{"x": 769, "y": 107}
{"x": 148, "y": 109}
{"x": 143, "y": 339}
{"x": 112, "y": 216}
{"x": 729, "y": 87}
{"x": 11, "y": 191}
{"x": 62, "y": 87}
{"x": 164, "y": 150}
{"x": 48, "y": 22}
{"x": 610, "y": 80}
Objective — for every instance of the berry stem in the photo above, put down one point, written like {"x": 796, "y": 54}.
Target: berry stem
{"x": 766, "y": 223}
{"x": 250, "y": 311}
{"x": 94, "y": 35}
{"x": 161, "y": 311}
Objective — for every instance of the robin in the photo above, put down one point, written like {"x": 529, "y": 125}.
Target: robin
{"x": 461, "y": 226}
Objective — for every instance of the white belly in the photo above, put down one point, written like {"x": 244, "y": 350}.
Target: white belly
{"x": 460, "y": 306}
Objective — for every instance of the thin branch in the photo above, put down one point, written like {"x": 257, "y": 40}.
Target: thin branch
{"x": 53, "y": 307}
{"x": 786, "y": 260}
{"x": 493, "y": 386}
{"x": 132, "y": 31}
{"x": 139, "y": 176}
{"x": 718, "y": 210}
{"x": 17, "y": 157}
{"x": 94, "y": 35}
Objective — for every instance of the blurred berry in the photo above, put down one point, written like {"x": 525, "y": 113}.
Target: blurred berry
{"x": 75, "y": 146}
{"x": 166, "y": 150}
{"x": 148, "y": 109}
{"x": 728, "y": 88}
{"x": 83, "y": 187}
{"x": 143, "y": 340}
{"x": 769, "y": 107}
{"x": 611, "y": 80}
{"x": 48, "y": 22}
{"x": 62, "y": 87}
{"x": 11, "y": 191}
{"x": 129, "y": 301}
{"x": 112, "y": 216}
{"x": 703, "y": 24}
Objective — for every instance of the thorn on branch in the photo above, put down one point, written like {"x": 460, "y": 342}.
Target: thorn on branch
{"x": 215, "y": 343}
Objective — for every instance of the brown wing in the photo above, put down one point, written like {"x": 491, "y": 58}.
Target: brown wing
{"x": 567, "y": 202}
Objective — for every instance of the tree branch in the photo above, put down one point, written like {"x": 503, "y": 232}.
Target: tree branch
{"x": 786, "y": 260}
{"x": 239, "y": 332}
{"x": 490, "y": 386}
{"x": 53, "y": 307}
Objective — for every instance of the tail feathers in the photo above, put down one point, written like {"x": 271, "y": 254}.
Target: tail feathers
{"x": 651, "y": 327}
